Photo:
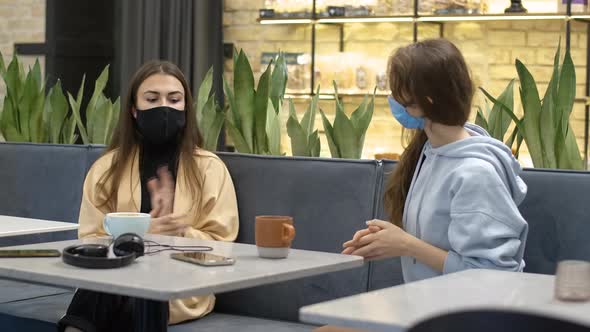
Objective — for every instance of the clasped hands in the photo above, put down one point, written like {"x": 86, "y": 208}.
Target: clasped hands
{"x": 381, "y": 239}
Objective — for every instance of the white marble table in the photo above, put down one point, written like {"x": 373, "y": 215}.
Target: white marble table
{"x": 161, "y": 278}
{"x": 400, "y": 307}
{"x": 12, "y": 226}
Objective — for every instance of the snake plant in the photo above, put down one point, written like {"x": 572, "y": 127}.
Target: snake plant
{"x": 252, "y": 121}
{"x": 28, "y": 115}
{"x": 346, "y": 137}
{"x": 305, "y": 141}
{"x": 545, "y": 126}
{"x": 209, "y": 114}
{"x": 101, "y": 114}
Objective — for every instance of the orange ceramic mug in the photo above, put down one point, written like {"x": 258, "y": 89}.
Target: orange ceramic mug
{"x": 274, "y": 235}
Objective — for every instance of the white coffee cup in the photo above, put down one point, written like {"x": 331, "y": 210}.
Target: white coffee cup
{"x": 118, "y": 223}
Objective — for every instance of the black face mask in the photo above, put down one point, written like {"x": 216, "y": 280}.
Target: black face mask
{"x": 161, "y": 124}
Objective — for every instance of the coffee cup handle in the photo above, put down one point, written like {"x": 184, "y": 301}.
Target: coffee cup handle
{"x": 105, "y": 225}
{"x": 288, "y": 233}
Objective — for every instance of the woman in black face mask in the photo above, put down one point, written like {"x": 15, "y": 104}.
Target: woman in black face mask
{"x": 154, "y": 165}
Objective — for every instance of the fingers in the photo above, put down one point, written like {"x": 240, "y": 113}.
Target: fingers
{"x": 379, "y": 223}
{"x": 369, "y": 238}
{"x": 153, "y": 185}
{"x": 374, "y": 229}
{"x": 348, "y": 250}
{"x": 166, "y": 180}
{"x": 156, "y": 210}
{"x": 168, "y": 225}
{"x": 366, "y": 251}
{"x": 357, "y": 236}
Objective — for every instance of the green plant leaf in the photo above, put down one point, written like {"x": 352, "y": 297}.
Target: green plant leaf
{"x": 566, "y": 92}
{"x": 278, "y": 81}
{"x": 505, "y": 109}
{"x": 531, "y": 104}
{"x": 359, "y": 111}
{"x": 315, "y": 144}
{"x": 499, "y": 121}
{"x": 236, "y": 137}
{"x": 2, "y": 65}
{"x": 212, "y": 137}
{"x": 69, "y": 132}
{"x": 339, "y": 105}
{"x": 115, "y": 111}
{"x": 211, "y": 123}
{"x": 101, "y": 118}
{"x": 235, "y": 56}
{"x": 14, "y": 86}
{"x": 273, "y": 130}
{"x": 56, "y": 108}
{"x": 362, "y": 121}
{"x": 36, "y": 74}
{"x": 203, "y": 93}
{"x": 75, "y": 105}
{"x": 308, "y": 121}
{"x": 260, "y": 108}
{"x": 37, "y": 128}
{"x": 549, "y": 113}
{"x": 329, "y": 131}
{"x": 299, "y": 143}
{"x": 572, "y": 150}
{"x": 25, "y": 107}
{"x": 244, "y": 98}
{"x": 92, "y": 107}
{"x": 480, "y": 119}
{"x": 8, "y": 121}
{"x": 345, "y": 136}
{"x": 233, "y": 112}
{"x": 292, "y": 111}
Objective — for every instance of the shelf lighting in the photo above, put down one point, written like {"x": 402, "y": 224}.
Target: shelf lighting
{"x": 308, "y": 96}
{"x": 441, "y": 18}
{"x": 366, "y": 19}
{"x": 287, "y": 21}
{"x": 489, "y": 18}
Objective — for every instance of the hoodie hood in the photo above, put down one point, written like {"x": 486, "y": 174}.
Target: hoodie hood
{"x": 482, "y": 146}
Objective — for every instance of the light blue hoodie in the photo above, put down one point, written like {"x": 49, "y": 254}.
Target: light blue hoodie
{"x": 464, "y": 200}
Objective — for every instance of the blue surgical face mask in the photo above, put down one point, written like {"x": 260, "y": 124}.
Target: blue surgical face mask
{"x": 403, "y": 117}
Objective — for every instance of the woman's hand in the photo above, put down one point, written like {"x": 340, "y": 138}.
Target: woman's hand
{"x": 349, "y": 246}
{"x": 168, "y": 225}
{"x": 162, "y": 193}
{"x": 381, "y": 239}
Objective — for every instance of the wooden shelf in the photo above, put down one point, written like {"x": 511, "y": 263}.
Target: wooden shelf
{"x": 423, "y": 18}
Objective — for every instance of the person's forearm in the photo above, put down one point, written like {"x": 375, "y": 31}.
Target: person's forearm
{"x": 426, "y": 253}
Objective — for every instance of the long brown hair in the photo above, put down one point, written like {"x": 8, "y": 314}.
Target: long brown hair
{"x": 126, "y": 138}
{"x": 432, "y": 74}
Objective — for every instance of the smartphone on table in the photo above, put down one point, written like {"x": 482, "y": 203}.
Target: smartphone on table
{"x": 203, "y": 258}
{"x": 12, "y": 253}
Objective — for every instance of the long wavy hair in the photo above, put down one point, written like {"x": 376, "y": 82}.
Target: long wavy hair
{"x": 127, "y": 139}
{"x": 432, "y": 74}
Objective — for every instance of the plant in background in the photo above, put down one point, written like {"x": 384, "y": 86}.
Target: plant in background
{"x": 101, "y": 114}
{"x": 496, "y": 121}
{"x": 346, "y": 137}
{"x": 27, "y": 114}
{"x": 305, "y": 141}
{"x": 209, "y": 114}
{"x": 252, "y": 121}
{"x": 545, "y": 125}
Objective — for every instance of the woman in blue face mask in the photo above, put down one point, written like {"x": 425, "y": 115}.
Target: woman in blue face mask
{"x": 154, "y": 165}
{"x": 452, "y": 199}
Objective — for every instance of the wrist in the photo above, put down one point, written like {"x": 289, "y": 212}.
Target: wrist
{"x": 409, "y": 245}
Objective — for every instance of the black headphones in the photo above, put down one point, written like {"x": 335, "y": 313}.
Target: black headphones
{"x": 127, "y": 247}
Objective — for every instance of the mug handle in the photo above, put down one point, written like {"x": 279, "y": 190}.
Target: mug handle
{"x": 105, "y": 225}
{"x": 288, "y": 233}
